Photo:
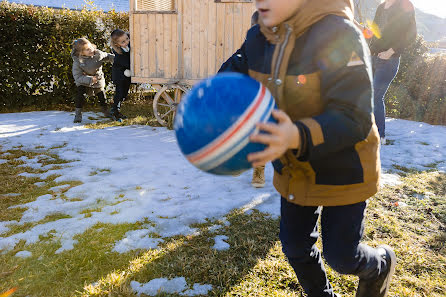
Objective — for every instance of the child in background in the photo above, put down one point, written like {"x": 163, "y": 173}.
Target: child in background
{"x": 325, "y": 146}
{"x": 258, "y": 174}
{"x": 88, "y": 75}
{"x": 120, "y": 43}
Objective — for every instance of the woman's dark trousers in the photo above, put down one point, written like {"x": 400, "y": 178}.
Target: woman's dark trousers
{"x": 384, "y": 71}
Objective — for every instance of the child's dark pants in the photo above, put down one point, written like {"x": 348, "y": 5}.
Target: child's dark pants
{"x": 342, "y": 229}
{"x": 80, "y": 96}
{"x": 122, "y": 90}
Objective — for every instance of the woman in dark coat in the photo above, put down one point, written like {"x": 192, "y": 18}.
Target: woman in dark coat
{"x": 397, "y": 27}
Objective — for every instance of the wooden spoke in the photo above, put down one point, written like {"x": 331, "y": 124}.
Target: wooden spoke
{"x": 165, "y": 104}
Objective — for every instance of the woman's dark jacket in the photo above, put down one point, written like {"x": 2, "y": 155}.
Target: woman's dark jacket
{"x": 397, "y": 26}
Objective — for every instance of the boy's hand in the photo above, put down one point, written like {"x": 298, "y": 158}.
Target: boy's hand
{"x": 281, "y": 137}
{"x": 94, "y": 80}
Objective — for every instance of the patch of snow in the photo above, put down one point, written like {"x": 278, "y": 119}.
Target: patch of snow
{"x": 390, "y": 179}
{"x": 138, "y": 239}
{"x": 160, "y": 285}
{"x": 163, "y": 285}
{"x": 11, "y": 195}
{"x": 220, "y": 244}
{"x": 58, "y": 189}
{"x": 23, "y": 254}
{"x": 197, "y": 290}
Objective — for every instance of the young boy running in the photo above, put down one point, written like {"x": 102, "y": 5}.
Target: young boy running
{"x": 325, "y": 147}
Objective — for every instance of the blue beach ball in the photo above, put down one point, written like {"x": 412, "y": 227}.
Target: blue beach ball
{"x": 215, "y": 119}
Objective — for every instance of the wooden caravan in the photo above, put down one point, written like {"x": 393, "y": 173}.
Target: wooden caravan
{"x": 176, "y": 43}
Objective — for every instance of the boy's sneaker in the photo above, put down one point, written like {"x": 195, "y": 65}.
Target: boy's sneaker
{"x": 379, "y": 287}
{"x": 258, "y": 177}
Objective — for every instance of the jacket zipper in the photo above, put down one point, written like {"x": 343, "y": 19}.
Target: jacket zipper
{"x": 281, "y": 52}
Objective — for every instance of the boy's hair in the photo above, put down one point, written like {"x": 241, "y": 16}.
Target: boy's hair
{"x": 114, "y": 38}
{"x": 79, "y": 44}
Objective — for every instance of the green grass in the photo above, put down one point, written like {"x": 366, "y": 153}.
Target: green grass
{"x": 253, "y": 266}
{"x": 138, "y": 113}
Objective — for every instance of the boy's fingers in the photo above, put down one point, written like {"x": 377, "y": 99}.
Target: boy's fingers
{"x": 263, "y": 138}
{"x": 279, "y": 115}
{"x": 259, "y": 156}
{"x": 269, "y": 127}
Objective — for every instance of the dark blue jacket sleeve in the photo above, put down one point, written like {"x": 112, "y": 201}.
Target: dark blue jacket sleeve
{"x": 346, "y": 90}
{"x": 237, "y": 62}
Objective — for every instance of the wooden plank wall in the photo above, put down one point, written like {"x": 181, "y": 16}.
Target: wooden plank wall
{"x": 190, "y": 45}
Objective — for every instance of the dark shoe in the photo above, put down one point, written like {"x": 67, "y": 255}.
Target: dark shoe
{"x": 105, "y": 111}
{"x": 117, "y": 115}
{"x": 379, "y": 287}
{"x": 78, "y": 115}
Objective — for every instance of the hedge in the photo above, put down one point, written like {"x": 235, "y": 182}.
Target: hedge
{"x": 35, "y": 46}
{"x": 419, "y": 90}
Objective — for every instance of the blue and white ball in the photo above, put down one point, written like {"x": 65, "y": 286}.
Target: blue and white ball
{"x": 215, "y": 119}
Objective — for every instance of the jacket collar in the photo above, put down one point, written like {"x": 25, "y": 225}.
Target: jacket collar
{"x": 311, "y": 12}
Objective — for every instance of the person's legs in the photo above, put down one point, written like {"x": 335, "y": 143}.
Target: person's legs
{"x": 258, "y": 177}
{"x": 79, "y": 101}
{"x": 80, "y": 96}
{"x": 384, "y": 73}
{"x": 121, "y": 92}
{"x": 342, "y": 229}
{"x": 102, "y": 99}
{"x": 298, "y": 234}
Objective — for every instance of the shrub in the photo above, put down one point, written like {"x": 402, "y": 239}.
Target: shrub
{"x": 35, "y": 46}
{"x": 419, "y": 90}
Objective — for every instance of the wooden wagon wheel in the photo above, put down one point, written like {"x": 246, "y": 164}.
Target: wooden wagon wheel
{"x": 166, "y": 101}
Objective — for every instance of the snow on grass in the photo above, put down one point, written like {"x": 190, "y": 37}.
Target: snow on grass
{"x": 414, "y": 145}
{"x": 23, "y": 254}
{"x": 138, "y": 239}
{"x": 220, "y": 244}
{"x": 128, "y": 174}
{"x": 131, "y": 174}
{"x": 164, "y": 285}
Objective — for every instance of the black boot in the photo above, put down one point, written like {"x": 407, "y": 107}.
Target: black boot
{"x": 117, "y": 115}
{"x": 78, "y": 115}
{"x": 379, "y": 287}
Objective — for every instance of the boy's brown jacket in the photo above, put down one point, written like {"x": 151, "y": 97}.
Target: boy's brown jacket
{"x": 317, "y": 66}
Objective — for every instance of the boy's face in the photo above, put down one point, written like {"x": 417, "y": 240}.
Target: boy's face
{"x": 123, "y": 41}
{"x": 88, "y": 50}
{"x": 274, "y": 12}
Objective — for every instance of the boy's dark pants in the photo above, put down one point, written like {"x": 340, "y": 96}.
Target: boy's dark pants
{"x": 80, "y": 96}
{"x": 122, "y": 90}
{"x": 342, "y": 229}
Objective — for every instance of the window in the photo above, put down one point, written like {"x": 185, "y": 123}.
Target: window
{"x": 155, "y": 5}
